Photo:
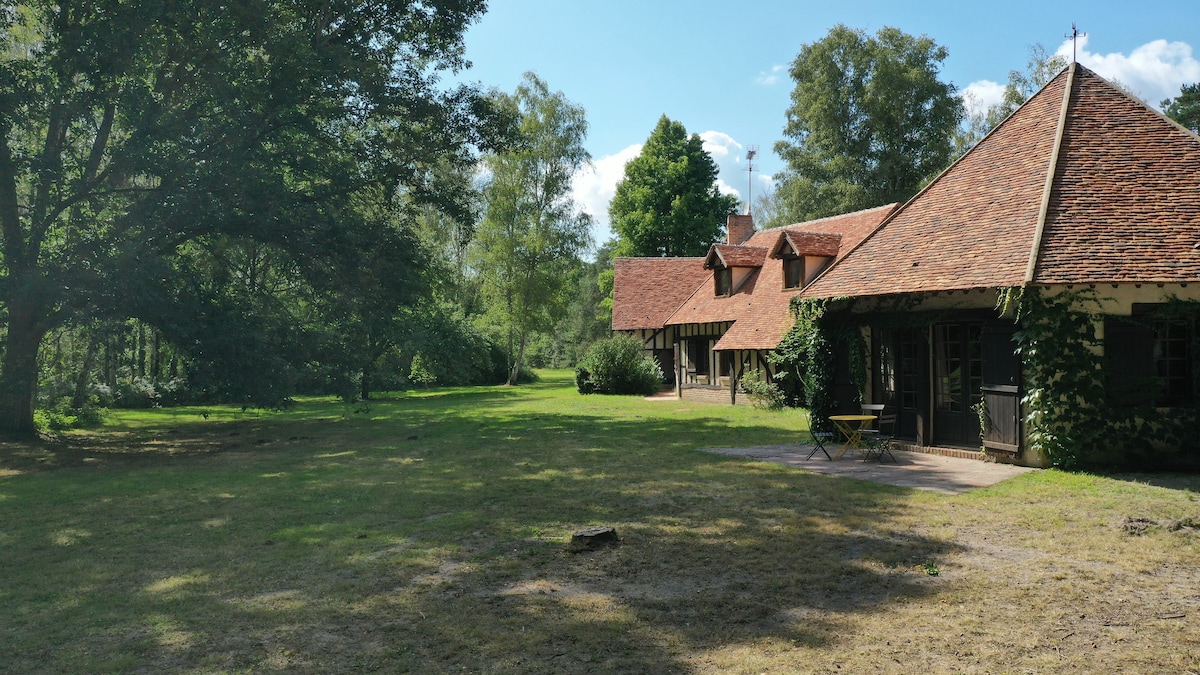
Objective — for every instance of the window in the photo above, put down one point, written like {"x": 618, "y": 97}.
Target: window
{"x": 698, "y": 356}
{"x": 1172, "y": 362}
{"x": 725, "y": 363}
{"x": 1149, "y": 359}
{"x": 723, "y": 278}
{"x": 793, "y": 272}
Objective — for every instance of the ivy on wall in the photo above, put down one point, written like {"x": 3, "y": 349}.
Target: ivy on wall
{"x": 808, "y": 352}
{"x": 1063, "y": 371}
{"x": 1068, "y": 419}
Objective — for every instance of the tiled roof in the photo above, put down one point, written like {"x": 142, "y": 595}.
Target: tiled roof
{"x": 759, "y": 307}
{"x": 808, "y": 243}
{"x": 1126, "y": 200}
{"x": 735, "y": 256}
{"x": 972, "y": 227}
{"x": 647, "y": 290}
{"x": 1123, "y": 205}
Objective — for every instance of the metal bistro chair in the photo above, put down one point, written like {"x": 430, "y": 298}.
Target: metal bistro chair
{"x": 818, "y": 440}
{"x": 880, "y": 443}
{"x": 871, "y": 430}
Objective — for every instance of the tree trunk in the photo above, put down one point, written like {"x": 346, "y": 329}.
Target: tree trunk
{"x": 85, "y": 374}
{"x": 364, "y": 390}
{"x": 516, "y": 367}
{"x": 19, "y": 373}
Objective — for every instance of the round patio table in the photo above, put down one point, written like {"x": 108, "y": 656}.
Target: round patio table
{"x": 851, "y": 427}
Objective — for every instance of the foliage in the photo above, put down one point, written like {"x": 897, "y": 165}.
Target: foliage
{"x": 1040, "y": 68}
{"x": 762, "y": 392}
{"x": 131, "y": 131}
{"x": 588, "y": 317}
{"x": 668, "y": 203}
{"x": 1063, "y": 374}
{"x": 1185, "y": 108}
{"x": 61, "y": 416}
{"x": 618, "y": 365}
{"x": 532, "y": 232}
{"x": 869, "y": 123}
{"x": 809, "y": 350}
{"x": 418, "y": 373}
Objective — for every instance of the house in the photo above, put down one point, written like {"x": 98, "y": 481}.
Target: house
{"x": 709, "y": 320}
{"x": 1085, "y": 200}
{"x": 1085, "y": 194}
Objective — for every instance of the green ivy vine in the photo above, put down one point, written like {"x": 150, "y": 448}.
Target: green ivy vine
{"x": 808, "y": 353}
{"x": 1063, "y": 371}
{"x": 1067, "y": 417}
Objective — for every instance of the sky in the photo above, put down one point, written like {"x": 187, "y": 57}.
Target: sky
{"x": 721, "y": 67}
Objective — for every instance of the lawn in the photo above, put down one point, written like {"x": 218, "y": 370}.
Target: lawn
{"x": 429, "y": 533}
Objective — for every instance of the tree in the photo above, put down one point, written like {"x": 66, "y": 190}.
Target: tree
{"x": 130, "y": 129}
{"x": 869, "y": 122}
{"x": 668, "y": 203}
{"x": 1040, "y": 68}
{"x": 1185, "y": 108}
{"x": 532, "y": 232}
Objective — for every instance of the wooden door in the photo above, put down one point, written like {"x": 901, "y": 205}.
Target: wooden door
{"x": 957, "y": 383}
{"x": 1001, "y": 389}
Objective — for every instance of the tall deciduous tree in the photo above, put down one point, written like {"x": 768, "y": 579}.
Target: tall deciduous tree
{"x": 668, "y": 203}
{"x": 1185, "y": 108}
{"x": 532, "y": 232}
{"x": 129, "y": 128}
{"x": 870, "y": 121}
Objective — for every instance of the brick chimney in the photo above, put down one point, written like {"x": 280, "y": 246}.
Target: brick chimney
{"x": 740, "y": 228}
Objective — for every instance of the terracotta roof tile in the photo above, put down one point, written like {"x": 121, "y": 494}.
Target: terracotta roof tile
{"x": 759, "y": 307}
{"x": 729, "y": 255}
{"x": 809, "y": 243}
{"x": 646, "y": 291}
{"x": 973, "y": 226}
{"x": 1125, "y": 206}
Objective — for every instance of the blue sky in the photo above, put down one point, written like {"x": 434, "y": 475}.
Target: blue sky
{"x": 720, "y": 67}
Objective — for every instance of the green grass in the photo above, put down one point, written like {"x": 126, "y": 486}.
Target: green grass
{"x": 429, "y": 534}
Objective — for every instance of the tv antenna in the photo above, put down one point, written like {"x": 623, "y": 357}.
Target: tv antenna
{"x": 1074, "y": 35}
{"x": 751, "y": 153}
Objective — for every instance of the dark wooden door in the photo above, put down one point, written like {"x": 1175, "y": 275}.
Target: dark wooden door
{"x": 1001, "y": 389}
{"x": 901, "y": 372}
{"x": 957, "y": 382}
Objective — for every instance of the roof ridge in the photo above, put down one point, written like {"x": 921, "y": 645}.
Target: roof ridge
{"x": 1040, "y": 228}
{"x": 833, "y": 217}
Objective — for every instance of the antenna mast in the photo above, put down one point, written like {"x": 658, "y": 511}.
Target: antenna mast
{"x": 751, "y": 153}
{"x": 1074, "y": 35}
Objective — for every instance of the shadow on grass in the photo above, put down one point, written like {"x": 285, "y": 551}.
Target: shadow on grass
{"x": 436, "y": 540}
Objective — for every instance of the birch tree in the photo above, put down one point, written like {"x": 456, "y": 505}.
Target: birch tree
{"x": 532, "y": 232}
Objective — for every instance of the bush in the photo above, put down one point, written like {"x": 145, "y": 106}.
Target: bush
{"x": 618, "y": 365}
{"x": 761, "y": 392}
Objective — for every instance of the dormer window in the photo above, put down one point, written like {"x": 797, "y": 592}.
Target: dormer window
{"x": 804, "y": 255}
{"x": 793, "y": 272}
{"x": 722, "y": 281}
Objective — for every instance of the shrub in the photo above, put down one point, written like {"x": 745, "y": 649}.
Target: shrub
{"x": 761, "y": 392}
{"x": 618, "y": 365}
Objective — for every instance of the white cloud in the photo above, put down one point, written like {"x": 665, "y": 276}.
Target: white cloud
{"x": 1153, "y": 71}
{"x": 981, "y": 95}
{"x": 770, "y": 78}
{"x": 593, "y": 187}
{"x": 730, "y": 160}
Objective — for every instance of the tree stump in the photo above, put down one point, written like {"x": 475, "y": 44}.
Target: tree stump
{"x": 592, "y": 538}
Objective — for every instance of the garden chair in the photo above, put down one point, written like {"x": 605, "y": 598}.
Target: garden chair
{"x": 818, "y": 439}
{"x": 880, "y": 442}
